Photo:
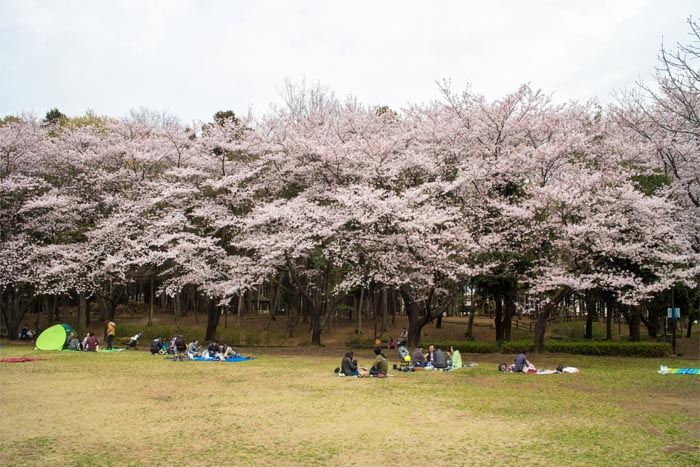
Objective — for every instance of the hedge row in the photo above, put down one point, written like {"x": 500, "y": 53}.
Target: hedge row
{"x": 601, "y": 348}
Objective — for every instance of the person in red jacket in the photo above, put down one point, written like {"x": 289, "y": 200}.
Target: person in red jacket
{"x": 90, "y": 343}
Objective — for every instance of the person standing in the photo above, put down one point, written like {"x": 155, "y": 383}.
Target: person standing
{"x": 111, "y": 332}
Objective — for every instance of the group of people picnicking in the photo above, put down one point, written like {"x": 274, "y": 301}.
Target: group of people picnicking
{"x": 434, "y": 358}
{"x": 89, "y": 343}
{"x": 27, "y": 334}
{"x": 176, "y": 346}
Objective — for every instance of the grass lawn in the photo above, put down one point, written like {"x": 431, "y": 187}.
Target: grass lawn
{"x": 287, "y": 407}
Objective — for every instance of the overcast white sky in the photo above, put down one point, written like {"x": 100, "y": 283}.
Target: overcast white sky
{"x": 191, "y": 58}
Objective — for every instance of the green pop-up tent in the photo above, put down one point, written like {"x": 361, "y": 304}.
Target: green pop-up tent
{"x": 54, "y": 338}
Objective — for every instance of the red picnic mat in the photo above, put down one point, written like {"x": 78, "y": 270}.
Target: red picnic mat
{"x": 19, "y": 359}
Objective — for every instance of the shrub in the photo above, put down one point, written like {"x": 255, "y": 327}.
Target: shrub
{"x": 588, "y": 347}
{"x": 361, "y": 342}
{"x": 467, "y": 347}
{"x": 252, "y": 338}
{"x": 610, "y": 348}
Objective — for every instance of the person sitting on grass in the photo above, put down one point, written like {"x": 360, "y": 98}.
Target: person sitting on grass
{"x": 455, "y": 357}
{"x": 380, "y": 367}
{"x": 439, "y": 359}
{"x": 348, "y": 366}
{"x": 156, "y": 345}
{"x": 430, "y": 355}
{"x": 418, "y": 357}
{"x": 73, "y": 342}
{"x": 193, "y": 349}
{"x": 226, "y": 351}
{"x": 90, "y": 343}
{"x": 212, "y": 351}
{"x": 521, "y": 363}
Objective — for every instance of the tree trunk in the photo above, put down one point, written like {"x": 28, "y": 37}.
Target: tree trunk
{"x": 470, "y": 325}
{"x": 590, "y": 311}
{"x": 47, "y": 303}
{"x": 498, "y": 299}
{"x": 13, "y": 307}
{"x": 635, "y": 321}
{"x": 176, "y": 309}
{"x": 213, "y": 314}
{"x": 151, "y": 299}
{"x": 241, "y": 304}
{"x": 87, "y": 315}
{"x": 609, "y": 307}
{"x": 414, "y": 327}
{"x": 510, "y": 298}
{"x": 541, "y": 328}
{"x": 542, "y": 315}
{"x": 292, "y": 314}
{"x": 359, "y": 311}
{"x": 385, "y": 309}
{"x": 82, "y": 309}
{"x": 415, "y": 322}
{"x": 316, "y": 327}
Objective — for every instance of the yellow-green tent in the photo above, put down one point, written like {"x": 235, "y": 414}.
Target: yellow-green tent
{"x": 54, "y": 338}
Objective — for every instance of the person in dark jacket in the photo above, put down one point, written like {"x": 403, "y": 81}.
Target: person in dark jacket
{"x": 521, "y": 361}
{"x": 418, "y": 357}
{"x": 349, "y": 366}
{"x": 439, "y": 358}
{"x": 156, "y": 345}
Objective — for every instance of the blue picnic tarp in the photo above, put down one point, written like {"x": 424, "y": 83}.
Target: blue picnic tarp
{"x": 228, "y": 360}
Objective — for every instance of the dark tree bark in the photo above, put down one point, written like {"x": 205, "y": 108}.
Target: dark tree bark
{"x": 542, "y": 315}
{"x": 635, "y": 321}
{"x": 590, "y": 312}
{"x": 213, "y": 314}
{"x": 498, "y": 300}
{"x": 14, "y": 305}
{"x": 82, "y": 309}
{"x": 609, "y": 308}
{"x": 510, "y": 299}
{"x": 416, "y": 320}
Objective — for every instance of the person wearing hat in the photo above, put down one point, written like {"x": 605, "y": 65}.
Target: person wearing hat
{"x": 380, "y": 366}
{"x": 418, "y": 357}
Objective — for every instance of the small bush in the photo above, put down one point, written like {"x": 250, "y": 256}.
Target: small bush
{"x": 610, "y": 348}
{"x": 467, "y": 347}
{"x": 588, "y": 347}
{"x": 252, "y": 338}
{"x": 361, "y": 342}
{"x": 232, "y": 336}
